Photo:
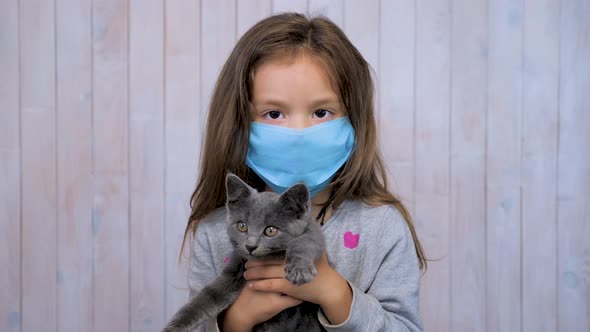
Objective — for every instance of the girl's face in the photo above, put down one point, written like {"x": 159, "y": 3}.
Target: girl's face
{"x": 294, "y": 92}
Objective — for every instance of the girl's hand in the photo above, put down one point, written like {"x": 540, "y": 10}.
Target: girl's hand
{"x": 328, "y": 288}
{"x": 253, "y": 307}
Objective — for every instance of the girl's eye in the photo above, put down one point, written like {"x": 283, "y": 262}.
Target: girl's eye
{"x": 273, "y": 115}
{"x": 242, "y": 227}
{"x": 322, "y": 113}
{"x": 270, "y": 231}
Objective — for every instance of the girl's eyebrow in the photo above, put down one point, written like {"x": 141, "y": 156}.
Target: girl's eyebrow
{"x": 326, "y": 100}
{"x": 319, "y": 101}
{"x": 270, "y": 101}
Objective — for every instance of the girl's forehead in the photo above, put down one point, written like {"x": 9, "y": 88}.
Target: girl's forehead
{"x": 289, "y": 60}
{"x": 302, "y": 73}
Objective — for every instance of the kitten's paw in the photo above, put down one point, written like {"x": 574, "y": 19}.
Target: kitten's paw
{"x": 299, "y": 272}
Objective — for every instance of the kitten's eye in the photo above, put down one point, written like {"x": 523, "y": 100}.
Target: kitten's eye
{"x": 242, "y": 227}
{"x": 270, "y": 231}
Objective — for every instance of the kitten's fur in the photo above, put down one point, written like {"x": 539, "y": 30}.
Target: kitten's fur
{"x": 299, "y": 239}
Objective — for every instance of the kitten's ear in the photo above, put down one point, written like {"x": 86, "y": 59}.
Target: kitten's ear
{"x": 236, "y": 189}
{"x": 296, "y": 200}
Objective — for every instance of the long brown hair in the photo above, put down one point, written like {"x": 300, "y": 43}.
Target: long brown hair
{"x": 227, "y": 134}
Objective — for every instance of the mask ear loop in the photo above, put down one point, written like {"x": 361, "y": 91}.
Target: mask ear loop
{"x": 322, "y": 215}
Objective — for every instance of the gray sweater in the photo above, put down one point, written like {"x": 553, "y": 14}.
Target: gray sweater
{"x": 370, "y": 246}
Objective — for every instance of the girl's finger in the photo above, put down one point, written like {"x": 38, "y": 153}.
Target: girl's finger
{"x": 271, "y": 285}
{"x": 264, "y": 272}
{"x": 272, "y": 261}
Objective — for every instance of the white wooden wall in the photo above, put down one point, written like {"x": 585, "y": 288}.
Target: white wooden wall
{"x": 484, "y": 112}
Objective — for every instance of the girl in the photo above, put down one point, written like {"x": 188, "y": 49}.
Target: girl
{"x": 294, "y": 102}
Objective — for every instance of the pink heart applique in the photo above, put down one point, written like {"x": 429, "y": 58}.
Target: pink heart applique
{"x": 225, "y": 260}
{"x": 351, "y": 240}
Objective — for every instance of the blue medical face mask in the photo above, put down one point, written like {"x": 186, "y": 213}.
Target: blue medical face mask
{"x": 283, "y": 156}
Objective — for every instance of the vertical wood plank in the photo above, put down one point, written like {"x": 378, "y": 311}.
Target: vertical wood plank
{"x": 110, "y": 212}
{"x": 468, "y": 123}
{"x": 433, "y": 21}
{"x": 74, "y": 165}
{"x": 281, "y": 6}
{"x": 332, "y": 9}
{"x": 573, "y": 201}
{"x": 361, "y": 24}
{"x": 39, "y": 199}
{"x": 9, "y": 85}
{"x": 539, "y": 162}
{"x": 249, "y": 13}
{"x": 504, "y": 121}
{"x": 10, "y": 189}
{"x": 218, "y": 36}
{"x": 397, "y": 96}
{"x": 146, "y": 164}
{"x": 182, "y": 101}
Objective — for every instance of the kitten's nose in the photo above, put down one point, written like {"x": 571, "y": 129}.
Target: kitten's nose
{"x": 251, "y": 248}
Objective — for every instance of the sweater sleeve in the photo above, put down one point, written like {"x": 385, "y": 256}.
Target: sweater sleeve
{"x": 391, "y": 302}
{"x": 201, "y": 272}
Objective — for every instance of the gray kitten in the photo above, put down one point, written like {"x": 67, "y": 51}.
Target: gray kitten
{"x": 262, "y": 225}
